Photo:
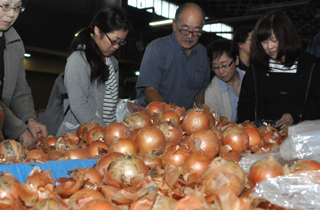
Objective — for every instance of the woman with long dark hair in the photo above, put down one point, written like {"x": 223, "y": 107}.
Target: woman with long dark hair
{"x": 92, "y": 72}
{"x": 283, "y": 84}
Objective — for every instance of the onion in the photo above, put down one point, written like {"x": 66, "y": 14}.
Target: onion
{"x": 103, "y": 163}
{"x": 124, "y": 146}
{"x": 50, "y": 142}
{"x": 264, "y": 169}
{"x": 54, "y": 154}
{"x": 181, "y": 111}
{"x": 221, "y": 173}
{"x": 81, "y": 197}
{"x": 174, "y": 155}
{"x": 37, "y": 155}
{"x": 151, "y": 139}
{"x": 301, "y": 166}
{"x": 93, "y": 148}
{"x": 130, "y": 167}
{"x": 114, "y": 131}
{"x": 204, "y": 141}
{"x": 11, "y": 150}
{"x": 76, "y": 154}
{"x": 95, "y": 134}
{"x": 249, "y": 125}
{"x": 84, "y": 128}
{"x": 137, "y": 120}
{"x": 49, "y": 203}
{"x": 232, "y": 156}
{"x": 151, "y": 160}
{"x": 194, "y": 166}
{"x": 133, "y": 134}
{"x": 72, "y": 138}
{"x": 9, "y": 186}
{"x": 168, "y": 115}
{"x": 254, "y": 136}
{"x": 154, "y": 108}
{"x": 270, "y": 134}
{"x": 236, "y": 137}
{"x": 195, "y": 120}
{"x": 99, "y": 204}
{"x": 172, "y": 131}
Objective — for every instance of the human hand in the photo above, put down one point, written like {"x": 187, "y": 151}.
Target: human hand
{"x": 134, "y": 107}
{"x": 285, "y": 119}
{"x": 26, "y": 138}
{"x": 37, "y": 129}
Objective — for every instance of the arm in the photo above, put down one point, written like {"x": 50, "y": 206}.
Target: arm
{"x": 199, "y": 98}
{"x": 151, "y": 94}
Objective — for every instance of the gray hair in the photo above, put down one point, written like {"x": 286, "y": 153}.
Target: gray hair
{"x": 186, "y": 5}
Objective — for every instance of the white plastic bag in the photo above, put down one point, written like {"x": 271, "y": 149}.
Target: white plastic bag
{"x": 303, "y": 141}
{"x": 295, "y": 191}
{"x": 122, "y": 109}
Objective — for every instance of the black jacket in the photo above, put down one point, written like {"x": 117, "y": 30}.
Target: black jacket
{"x": 266, "y": 95}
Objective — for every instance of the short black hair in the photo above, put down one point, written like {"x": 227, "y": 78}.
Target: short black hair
{"x": 217, "y": 47}
{"x": 241, "y": 35}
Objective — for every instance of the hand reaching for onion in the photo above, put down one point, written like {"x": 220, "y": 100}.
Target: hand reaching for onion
{"x": 134, "y": 107}
{"x": 37, "y": 129}
{"x": 285, "y": 119}
{"x": 26, "y": 138}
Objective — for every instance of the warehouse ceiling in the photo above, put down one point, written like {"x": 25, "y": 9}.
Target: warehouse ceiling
{"x": 47, "y": 27}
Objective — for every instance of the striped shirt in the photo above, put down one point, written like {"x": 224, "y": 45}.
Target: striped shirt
{"x": 280, "y": 68}
{"x": 110, "y": 99}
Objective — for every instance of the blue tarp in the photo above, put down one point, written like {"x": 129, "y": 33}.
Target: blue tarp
{"x": 58, "y": 168}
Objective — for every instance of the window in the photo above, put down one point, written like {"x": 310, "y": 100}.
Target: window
{"x": 220, "y": 29}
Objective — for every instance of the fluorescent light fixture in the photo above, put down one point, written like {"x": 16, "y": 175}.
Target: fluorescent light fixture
{"x": 137, "y": 73}
{"x": 27, "y": 55}
{"x": 278, "y": 5}
{"x": 161, "y": 23}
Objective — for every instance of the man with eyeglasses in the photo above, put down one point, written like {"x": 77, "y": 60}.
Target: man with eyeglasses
{"x": 175, "y": 68}
{"x": 15, "y": 92}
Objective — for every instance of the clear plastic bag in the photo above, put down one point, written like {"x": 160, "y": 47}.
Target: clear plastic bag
{"x": 303, "y": 141}
{"x": 122, "y": 109}
{"x": 246, "y": 162}
{"x": 295, "y": 191}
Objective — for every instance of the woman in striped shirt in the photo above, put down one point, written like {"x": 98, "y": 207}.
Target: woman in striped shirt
{"x": 283, "y": 84}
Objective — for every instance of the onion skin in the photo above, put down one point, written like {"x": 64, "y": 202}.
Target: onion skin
{"x": 81, "y": 197}
{"x": 220, "y": 173}
{"x": 89, "y": 174}
{"x": 151, "y": 140}
{"x": 93, "y": 148}
{"x": 172, "y": 131}
{"x": 124, "y": 146}
{"x": 195, "y": 120}
{"x": 194, "y": 166}
{"x": 236, "y": 137}
{"x": 37, "y": 155}
{"x": 205, "y": 142}
{"x": 130, "y": 167}
{"x": 254, "y": 136}
{"x": 264, "y": 169}
{"x": 151, "y": 160}
{"x": 270, "y": 134}
{"x": 174, "y": 155}
{"x": 103, "y": 163}
{"x": 54, "y": 154}
{"x": 137, "y": 120}
{"x": 95, "y": 134}
{"x": 99, "y": 204}
{"x": 301, "y": 166}
{"x": 114, "y": 131}
{"x": 84, "y": 128}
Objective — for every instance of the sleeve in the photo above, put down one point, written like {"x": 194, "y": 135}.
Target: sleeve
{"x": 247, "y": 100}
{"x": 77, "y": 82}
{"x": 151, "y": 67}
{"x": 211, "y": 98}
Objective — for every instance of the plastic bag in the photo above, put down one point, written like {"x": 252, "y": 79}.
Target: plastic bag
{"x": 246, "y": 162}
{"x": 303, "y": 141}
{"x": 122, "y": 109}
{"x": 296, "y": 191}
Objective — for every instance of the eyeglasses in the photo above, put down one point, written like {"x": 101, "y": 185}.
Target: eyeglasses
{"x": 8, "y": 7}
{"x": 187, "y": 32}
{"x": 223, "y": 67}
{"x": 114, "y": 43}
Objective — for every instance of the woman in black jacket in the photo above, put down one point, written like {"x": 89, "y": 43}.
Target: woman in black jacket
{"x": 284, "y": 82}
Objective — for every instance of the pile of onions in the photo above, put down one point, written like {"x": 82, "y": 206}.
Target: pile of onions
{"x": 151, "y": 140}
{"x": 195, "y": 120}
{"x": 264, "y": 169}
{"x": 236, "y": 137}
{"x": 204, "y": 141}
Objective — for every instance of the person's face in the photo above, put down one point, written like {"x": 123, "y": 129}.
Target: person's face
{"x": 246, "y": 45}
{"x": 8, "y": 18}
{"x": 225, "y": 67}
{"x": 270, "y": 46}
{"x": 107, "y": 48}
{"x": 190, "y": 19}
